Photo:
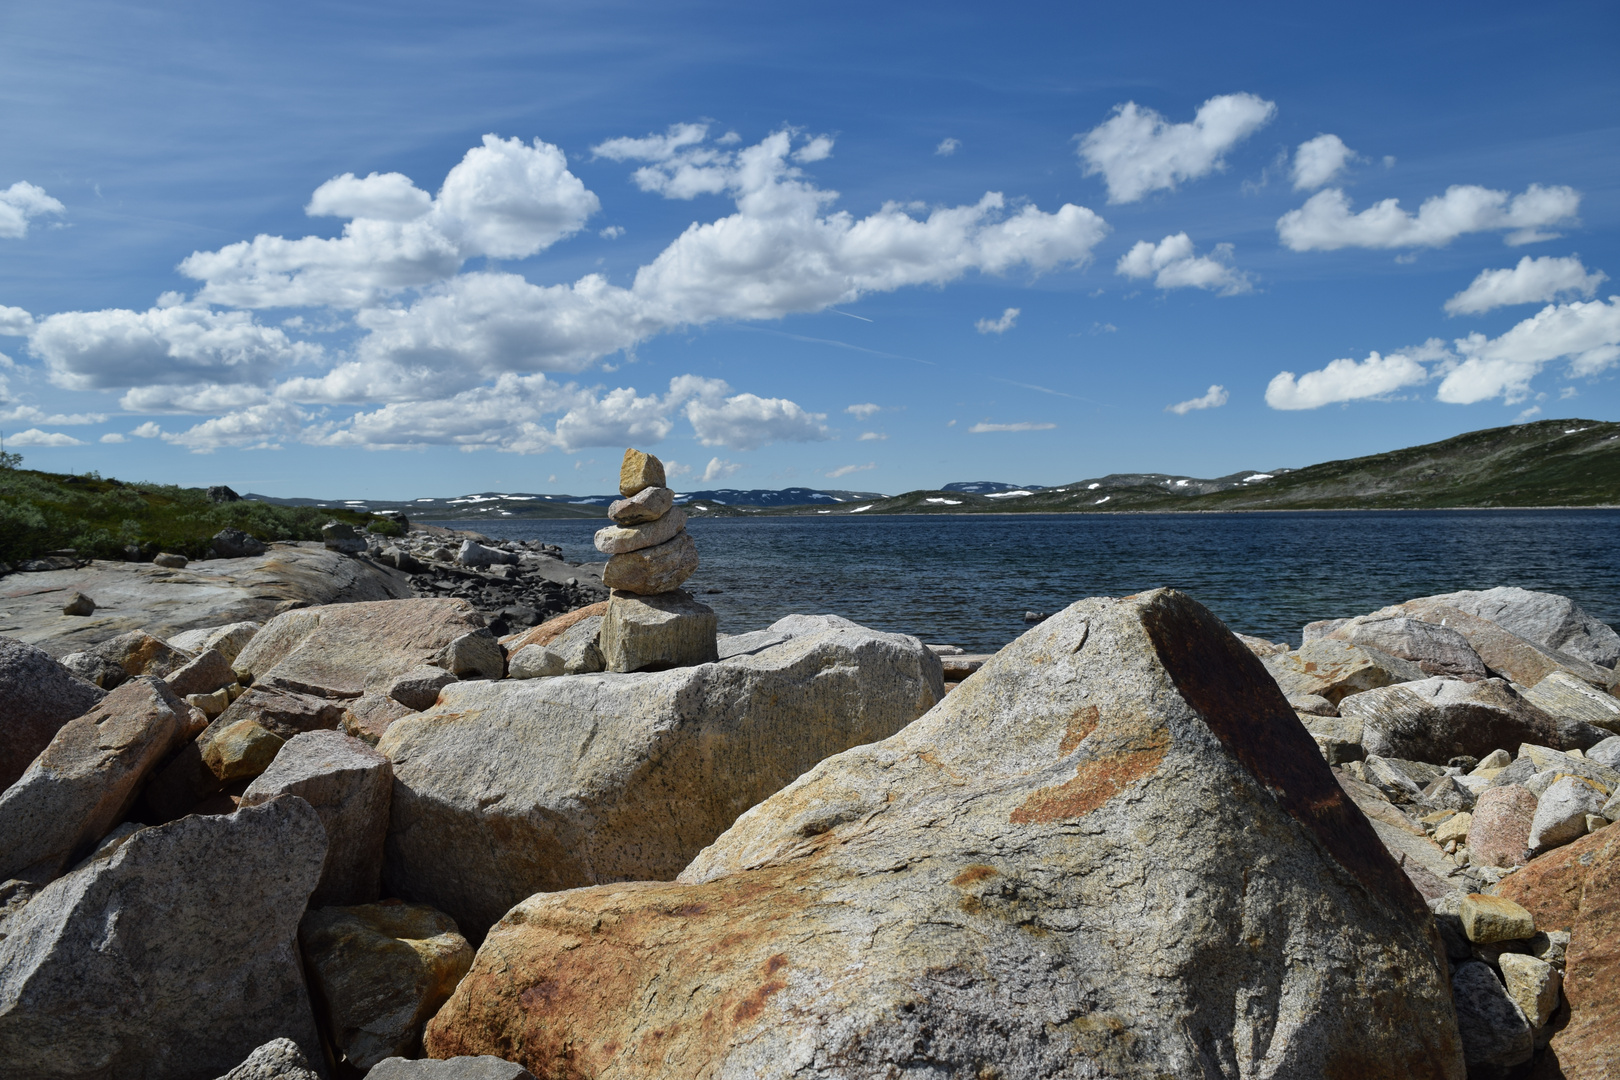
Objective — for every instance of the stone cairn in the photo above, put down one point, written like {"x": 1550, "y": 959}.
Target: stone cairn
{"x": 651, "y": 623}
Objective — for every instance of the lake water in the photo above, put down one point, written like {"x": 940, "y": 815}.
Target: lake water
{"x": 968, "y": 580}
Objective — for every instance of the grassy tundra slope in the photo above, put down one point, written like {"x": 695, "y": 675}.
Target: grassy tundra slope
{"x": 1548, "y": 463}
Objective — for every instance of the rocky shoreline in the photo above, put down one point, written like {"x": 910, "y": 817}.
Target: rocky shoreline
{"x": 357, "y": 836}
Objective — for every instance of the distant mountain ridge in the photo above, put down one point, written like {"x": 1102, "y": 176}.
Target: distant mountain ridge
{"x": 525, "y": 504}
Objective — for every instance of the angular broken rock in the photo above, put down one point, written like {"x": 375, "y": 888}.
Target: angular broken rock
{"x": 381, "y": 971}
{"x": 617, "y": 539}
{"x": 241, "y": 751}
{"x": 40, "y": 696}
{"x": 575, "y": 652}
{"x": 228, "y": 640}
{"x": 349, "y": 784}
{"x": 1437, "y": 650}
{"x": 1495, "y": 1034}
{"x": 1504, "y": 652}
{"x": 367, "y": 717}
{"x": 1561, "y": 812}
{"x": 637, "y": 772}
{"x": 648, "y": 504}
{"x": 1562, "y": 695}
{"x": 551, "y": 629}
{"x": 82, "y": 784}
{"x": 480, "y": 1067}
{"x": 79, "y": 604}
{"x": 1011, "y": 883}
{"x": 1489, "y": 919}
{"x": 653, "y": 570}
{"x": 208, "y": 671}
{"x": 1606, "y": 752}
{"x": 652, "y": 633}
{"x": 1437, "y": 719}
{"x": 1577, "y": 888}
{"x": 419, "y": 687}
{"x": 278, "y": 1059}
{"x": 1547, "y": 619}
{"x": 1336, "y": 669}
{"x": 1499, "y": 834}
{"x": 639, "y": 471}
{"x": 473, "y": 655}
{"x": 115, "y": 660}
{"x": 1532, "y": 984}
{"x": 130, "y": 967}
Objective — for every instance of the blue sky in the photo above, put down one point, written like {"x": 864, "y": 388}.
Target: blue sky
{"x": 380, "y": 251}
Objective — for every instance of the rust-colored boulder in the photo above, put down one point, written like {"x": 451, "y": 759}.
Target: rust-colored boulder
{"x": 1113, "y": 851}
{"x": 1577, "y": 888}
{"x": 551, "y": 629}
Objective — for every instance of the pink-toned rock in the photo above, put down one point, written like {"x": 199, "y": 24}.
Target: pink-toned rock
{"x": 1499, "y": 835}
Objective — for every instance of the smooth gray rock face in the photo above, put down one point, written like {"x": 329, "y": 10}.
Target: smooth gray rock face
{"x": 278, "y": 1059}
{"x": 1549, "y": 620}
{"x": 1115, "y": 826}
{"x": 482, "y": 1067}
{"x": 510, "y": 788}
{"x": 651, "y": 633}
{"x": 1495, "y": 1034}
{"x": 39, "y": 696}
{"x": 172, "y": 960}
{"x": 349, "y": 785}
{"x": 82, "y": 784}
{"x": 1561, "y": 812}
{"x": 1437, "y": 719}
{"x": 795, "y": 625}
{"x": 1562, "y": 695}
{"x": 228, "y": 640}
{"x": 1336, "y": 669}
{"x": 729, "y": 645}
{"x": 615, "y": 539}
{"x": 648, "y": 504}
{"x": 1606, "y": 752}
{"x": 1438, "y": 650}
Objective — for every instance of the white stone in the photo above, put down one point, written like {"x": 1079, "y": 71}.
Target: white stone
{"x": 1561, "y": 813}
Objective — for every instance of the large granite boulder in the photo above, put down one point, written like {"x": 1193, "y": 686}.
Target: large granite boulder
{"x": 650, "y": 633}
{"x": 1551, "y": 621}
{"x": 37, "y": 696}
{"x": 1496, "y": 1036}
{"x": 381, "y": 970}
{"x": 343, "y": 650}
{"x": 1505, "y": 653}
{"x": 173, "y": 959}
{"x": 1112, "y": 852}
{"x": 278, "y": 1059}
{"x": 116, "y": 660}
{"x": 1437, "y": 719}
{"x": 228, "y": 640}
{"x": 82, "y": 784}
{"x": 1562, "y": 695}
{"x": 511, "y": 788}
{"x": 1499, "y": 833}
{"x": 1577, "y": 889}
{"x": 1336, "y": 669}
{"x": 349, "y": 784}
{"x": 1438, "y": 650}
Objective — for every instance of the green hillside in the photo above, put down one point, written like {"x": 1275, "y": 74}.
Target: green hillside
{"x": 1547, "y": 463}
{"x": 42, "y": 512}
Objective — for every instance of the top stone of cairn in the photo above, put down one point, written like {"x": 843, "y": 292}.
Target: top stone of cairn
{"x": 638, "y": 472}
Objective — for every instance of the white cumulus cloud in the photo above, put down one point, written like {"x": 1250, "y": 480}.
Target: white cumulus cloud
{"x": 36, "y": 437}
{"x": 744, "y": 421}
{"x": 1174, "y": 264}
{"x": 1325, "y": 222}
{"x": 871, "y": 436}
{"x": 20, "y": 204}
{"x": 1586, "y": 334}
{"x": 1532, "y": 281}
{"x": 719, "y": 470}
{"x": 1138, "y": 151}
{"x": 1351, "y": 380}
{"x": 1318, "y": 161}
{"x": 1214, "y": 398}
{"x": 33, "y": 414}
{"x": 947, "y": 147}
{"x": 1008, "y": 320}
{"x": 865, "y": 411}
{"x": 1022, "y": 425}
{"x": 15, "y": 322}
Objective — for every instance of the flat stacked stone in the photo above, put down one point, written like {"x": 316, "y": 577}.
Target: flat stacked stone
{"x": 651, "y": 623}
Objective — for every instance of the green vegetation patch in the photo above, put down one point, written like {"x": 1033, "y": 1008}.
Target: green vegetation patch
{"x": 42, "y": 512}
